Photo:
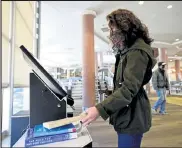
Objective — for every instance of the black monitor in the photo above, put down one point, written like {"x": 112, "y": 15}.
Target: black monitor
{"x": 45, "y": 77}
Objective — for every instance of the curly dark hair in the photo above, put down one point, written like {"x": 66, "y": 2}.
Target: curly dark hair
{"x": 129, "y": 25}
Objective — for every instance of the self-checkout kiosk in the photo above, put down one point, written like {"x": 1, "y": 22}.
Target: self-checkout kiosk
{"x": 48, "y": 101}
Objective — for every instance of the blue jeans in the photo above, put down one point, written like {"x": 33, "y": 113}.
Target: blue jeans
{"x": 129, "y": 140}
{"x": 161, "y": 102}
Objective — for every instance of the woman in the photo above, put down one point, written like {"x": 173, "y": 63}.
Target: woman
{"x": 128, "y": 106}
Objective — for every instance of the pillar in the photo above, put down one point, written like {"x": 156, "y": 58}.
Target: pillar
{"x": 156, "y": 52}
{"x": 162, "y": 55}
{"x": 177, "y": 69}
{"x": 88, "y": 61}
{"x": 166, "y": 60}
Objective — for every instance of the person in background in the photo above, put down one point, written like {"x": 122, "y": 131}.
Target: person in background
{"x": 160, "y": 84}
{"x": 128, "y": 107}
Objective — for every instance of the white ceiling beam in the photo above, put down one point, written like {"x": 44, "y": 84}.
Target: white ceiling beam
{"x": 176, "y": 43}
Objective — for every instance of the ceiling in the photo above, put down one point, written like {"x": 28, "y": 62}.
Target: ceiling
{"x": 61, "y": 27}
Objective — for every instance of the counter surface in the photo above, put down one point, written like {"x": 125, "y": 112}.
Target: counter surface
{"x": 83, "y": 139}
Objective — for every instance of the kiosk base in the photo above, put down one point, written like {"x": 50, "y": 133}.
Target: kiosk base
{"x": 44, "y": 104}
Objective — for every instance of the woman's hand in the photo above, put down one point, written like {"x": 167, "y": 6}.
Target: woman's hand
{"x": 92, "y": 115}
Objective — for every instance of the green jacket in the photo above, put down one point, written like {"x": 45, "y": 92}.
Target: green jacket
{"x": 159, "y": 80}
{"x": 128, "y": 107}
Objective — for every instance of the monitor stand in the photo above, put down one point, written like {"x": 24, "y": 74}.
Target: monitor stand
{"x": 45, "y": 105}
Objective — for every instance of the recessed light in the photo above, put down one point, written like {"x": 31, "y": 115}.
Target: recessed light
{"x": 171, "y": 60}
{"x": 141, "y": 2}
{"x": 177, "y": 40}
{"x": 169, "y": 6}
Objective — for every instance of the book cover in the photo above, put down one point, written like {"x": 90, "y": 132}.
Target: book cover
{"x": 40, "y": 130}
{"x": 34, "y": 141}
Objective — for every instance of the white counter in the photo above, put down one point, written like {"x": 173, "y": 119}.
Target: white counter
{"x": 83, "y": 140}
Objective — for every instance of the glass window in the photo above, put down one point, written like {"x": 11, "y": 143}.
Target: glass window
{"x": 24, "y": 30}
{"x": 5, "y": 113}
{"x": 20, "y": 99}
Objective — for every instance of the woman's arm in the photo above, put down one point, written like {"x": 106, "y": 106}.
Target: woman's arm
{"x": 137, "y": 61}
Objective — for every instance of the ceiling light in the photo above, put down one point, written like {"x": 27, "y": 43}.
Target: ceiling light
{"x": 141, "y": 2}
{"x": 177, "y": 40}
{"x": 171, "y": 60}
{"x": 169, "y": 6}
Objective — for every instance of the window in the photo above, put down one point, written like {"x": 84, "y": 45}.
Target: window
{"x": 6, "y": 109}
{"x": 20, "y": 99}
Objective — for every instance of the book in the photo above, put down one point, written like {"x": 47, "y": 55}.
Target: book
{"x": 34, "y": 141}
{"x": 40, "y": 130}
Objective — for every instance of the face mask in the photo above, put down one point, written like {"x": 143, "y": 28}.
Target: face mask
{"x": 116, "y": 42}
